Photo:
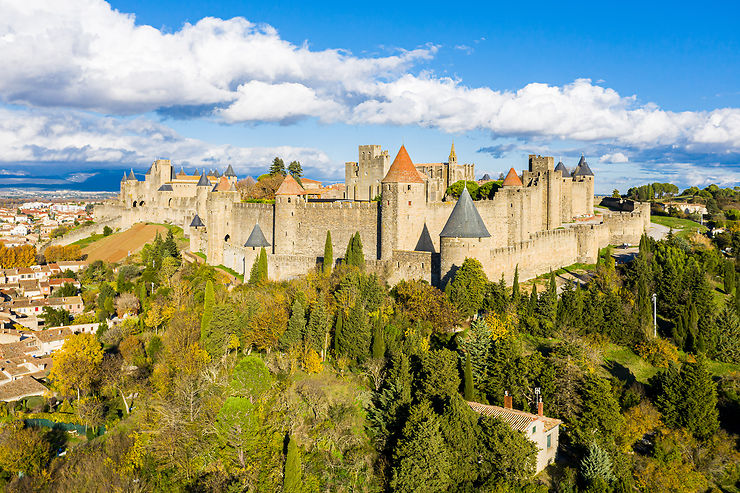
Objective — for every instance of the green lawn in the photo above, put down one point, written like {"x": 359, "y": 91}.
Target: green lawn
{"x": 90, "y": 239}
{"x": 231, "y": 271}
{"x": 624, "y": 356}
{"x": 678, "y": 223}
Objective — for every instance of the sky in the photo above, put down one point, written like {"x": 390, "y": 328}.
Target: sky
{"x": 646, "y": 91}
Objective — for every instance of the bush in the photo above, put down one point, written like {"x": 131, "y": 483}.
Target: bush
{"x": 657, "y": 352}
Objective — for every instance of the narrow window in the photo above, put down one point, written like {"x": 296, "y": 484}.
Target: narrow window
{"x": 534, "y": 430}
{"x": 549, "y": 440}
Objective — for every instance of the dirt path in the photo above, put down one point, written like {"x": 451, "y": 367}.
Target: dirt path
{"x": 118, "y": 246}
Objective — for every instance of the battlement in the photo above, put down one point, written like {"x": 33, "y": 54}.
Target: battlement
{"x": 541, "y": 164}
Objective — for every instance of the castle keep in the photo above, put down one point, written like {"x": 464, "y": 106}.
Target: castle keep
{"x": 538, "y": 220}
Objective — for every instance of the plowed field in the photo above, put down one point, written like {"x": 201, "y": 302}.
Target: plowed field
{"x": 118, "y": 246}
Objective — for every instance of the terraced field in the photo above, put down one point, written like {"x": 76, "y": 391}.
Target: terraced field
{"x": 118, "y": 246}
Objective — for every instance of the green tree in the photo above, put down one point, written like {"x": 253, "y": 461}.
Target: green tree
{"x": 220, "y": 332}
{"x": 295, "y": 169}
{"x": 354, "y": 254}
{"x": 596, "y": 466}
{"x": 507, "y": 457}
{"x": 378, "y": 342}
{"x": 293, "y": 335}
{"x": 600, "y": 415}
{"x": 56, "y": 317}
{"x": 317, "y": 329}
{"x": 107, "y": 231}
{"x": 237, "y": 429}
{"x": 354, "y": 337}
{"x": 687, "y": 397}
{"x": 515, "y": 286}
{"x": 468, "y": 289}
{"x": 439, "y": 375}
{"x": 469, "y": 386}
{"x": 209, "y": 301}
{"x": 277, "y": 167}
{"x": 729, "y": 276}
{"x": 328, "y": 254}
{"x": 169, "y": 247}
{"x": 258, "y": 273}
{"x": 24, "y": 450}
{"x": 293, "y": 471}
{"x": 251, "y": 378}
{"x": 263, "y": 265}
{"x": 421, "y": 459}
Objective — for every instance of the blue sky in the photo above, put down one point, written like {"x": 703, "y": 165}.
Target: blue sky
{"x": 647, "y": 91}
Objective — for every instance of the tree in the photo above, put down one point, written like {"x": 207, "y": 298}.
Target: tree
{"x": 506, "y": 455}
{"x": 263, "y": 265}
{"x": 293, "y": 471}
{"x": 278, "y": 167}
{"x": 23, "y": 450}
{"x": 250, "y": 379}
{"x": 295, "y": 169}
{"x": 169, "y": 247}
{"x": 468, "y": 289}
{"x": 354, "y": 254}
{"x": 354, "y": 338}
{"x": 127, "y": 303}
{"x": 76, "y": 364}
{"x": 55, "y": 317}
{"x": 421, "y": 458}
{"x": 616, "y": 194}
{"x": 65, "y": 290}
{"x": 439, "y": 375}
{"x": 469, "y": 388}
{"x": 328, "y": 254}
{"x": 515, "y": 286}
{"x": 600, "y": 415}
{"x": 293, "y": 335}
{"x": 237, "y": 428}
{"x": 317, "y": 329}
{"x": 596, "y": 466}
{"x": 378, "y": 342}
{"x": 220, "y": 333}
{"x": 687, "y": 397}
{"x": 208, "y": 301}
{"x": 107, "y": 231}
{"x": 729, "y": 276}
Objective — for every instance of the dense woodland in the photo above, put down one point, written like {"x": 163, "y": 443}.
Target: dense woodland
{"x": 337, "y": 382}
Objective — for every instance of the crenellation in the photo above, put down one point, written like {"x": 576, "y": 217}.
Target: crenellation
{"x": 400, "y": 211}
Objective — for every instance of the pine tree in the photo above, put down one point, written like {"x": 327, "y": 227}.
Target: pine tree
{"x": 254, "y": 274}
{"x": 292, "y": 481}
{"x": 295, "y": 169}
{"x": 469, "y": 392}
{"x": 170, "y": 246}
{"x": 354, "y": 255}
{"x": 597, "y": 465}
{"x": 328, "y": 254}
{"x": 468, "y": 289}
{"x": 354, "y": 339}
{"x": 515, "y": 286}
{"x": 208, "y": 301}
{"x": 296, "y": 326}
{"x": 278, "y": 167}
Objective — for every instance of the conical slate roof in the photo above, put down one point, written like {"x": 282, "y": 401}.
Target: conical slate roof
{"x": 196, "y": 222}
{"x": 465, "y": 222}
{"x": 290, "y": 187}
{"x": 486, "y": 177}
{"x": 165, "y": 188}
{"x": 196, "y": 172}
{"x": 512, "y": 179}
{"x": 583, "y": 168}
{"x": 402, "y": 170}
{"x": 131, "y": 175}
{"x": 257, "y": 238}
{"x": 563, "y": 170}
{"x": 182, "y": 173}
{"x": 203, "y": 182}
{"x": 124, "y": 177}
{"x": 229, "y": 171}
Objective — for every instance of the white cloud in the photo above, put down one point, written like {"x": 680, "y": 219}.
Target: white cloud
{"x": 616, "y": 157}
{"x": 36, "y": 136}
{"x": 81, "y": 54}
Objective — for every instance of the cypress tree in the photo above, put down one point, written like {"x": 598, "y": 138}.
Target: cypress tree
{"x": 316, "y": 327}
{"x": 328, "y": 254}
{"x": 338, "y": 328}
{"x": 292, "y": 482}
{"x": 169, "y": 246}
{"x": 208, "y": 301}
{"x": 354, "y": 339}
{"x": 468, "y": 379}
{"x": 354, "y": 255}
{"x": 378, "y": 342}
{"x": 532, "y": 306}
{"x": 729, "y": 276}
{"x": 515, "y": 286}
{"x": 263, "y": 265}
{"x": 296, "y": 326}
{"x": 254, "y": 274}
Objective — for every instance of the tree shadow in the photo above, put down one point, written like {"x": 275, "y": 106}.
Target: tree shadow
{"x": 620, "y": 371}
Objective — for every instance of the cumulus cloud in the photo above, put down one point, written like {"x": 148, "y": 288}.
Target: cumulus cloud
{"x": 84, "y": 55}
{"x": 44, "y": 136}
{"x": 616, "y": 157}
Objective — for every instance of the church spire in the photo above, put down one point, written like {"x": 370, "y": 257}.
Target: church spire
{"x": 453, "y": 157}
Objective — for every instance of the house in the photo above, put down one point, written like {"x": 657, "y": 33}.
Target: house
{"x": 21, "y": 388}
{"x": 538, "y": 428}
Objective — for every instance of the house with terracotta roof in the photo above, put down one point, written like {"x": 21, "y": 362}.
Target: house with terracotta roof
{"x": 538, "y": 428}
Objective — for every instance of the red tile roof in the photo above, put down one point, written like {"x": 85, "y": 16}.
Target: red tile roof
{"x": 402, "y": 170}
{"x": 519, "y": 420}
{"x": 512, "y": 179}
{"x": 223, "y": 185}
{"x": 290, "y": 187}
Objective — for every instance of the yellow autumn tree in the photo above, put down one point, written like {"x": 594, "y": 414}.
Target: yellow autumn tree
{"x": 76, "y": 364}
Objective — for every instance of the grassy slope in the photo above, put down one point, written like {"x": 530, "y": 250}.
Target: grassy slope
{"x": 682, "y": 227}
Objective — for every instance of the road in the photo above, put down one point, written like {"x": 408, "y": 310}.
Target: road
{"x": 657, "y": 231}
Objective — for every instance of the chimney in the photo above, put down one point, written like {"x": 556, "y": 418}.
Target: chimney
{"x": 508, "y": 401}
{"x": 540, "y": 408}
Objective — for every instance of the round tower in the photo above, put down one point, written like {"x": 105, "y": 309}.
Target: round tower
{"x": 288, "y": 197}
{"x": 402, "y": 206}
{"x": 463, "y": 236}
